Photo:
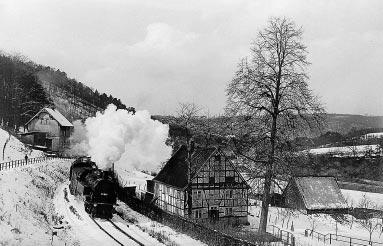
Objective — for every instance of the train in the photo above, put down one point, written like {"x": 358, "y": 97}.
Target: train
{"x": 98, "y": 188}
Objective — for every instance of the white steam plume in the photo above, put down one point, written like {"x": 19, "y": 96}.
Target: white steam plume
{"x": 78, "y": 140}
{"x": 129, "y": 141}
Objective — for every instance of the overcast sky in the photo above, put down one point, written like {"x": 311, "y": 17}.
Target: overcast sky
{"x": 154, "y": 54}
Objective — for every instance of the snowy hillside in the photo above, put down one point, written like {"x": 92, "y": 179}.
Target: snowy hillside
{"x": 15, "y": 150}
{"x": 27, "y": 213}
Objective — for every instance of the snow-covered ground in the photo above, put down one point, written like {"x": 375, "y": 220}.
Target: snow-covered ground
{"x": 27, "y": 214}
{"x": 286, "y": 219}
{"x": 171, "y": 236}
{"x": 87, "y": 232}
{"x": 372, "y": 135}
{"x": 358, "y": 150}
{"x": 355, "y": 198}
{"x": 15, "y": 150}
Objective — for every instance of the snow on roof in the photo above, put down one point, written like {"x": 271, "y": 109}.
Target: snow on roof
{"x": 56, "y": 115}
{"x": 59, "y": 117}
{"x": 320, "y": 193}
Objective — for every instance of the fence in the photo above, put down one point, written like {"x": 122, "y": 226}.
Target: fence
{"x": 345, "y": 240}
{"x": 18, "y": 163}
{"x": 285, "y": 236}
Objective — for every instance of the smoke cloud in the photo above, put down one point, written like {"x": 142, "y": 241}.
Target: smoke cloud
{"x": 117, "y": 136}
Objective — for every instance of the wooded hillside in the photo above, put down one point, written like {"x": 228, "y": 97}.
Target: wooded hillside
{"x": 26, "y": 87}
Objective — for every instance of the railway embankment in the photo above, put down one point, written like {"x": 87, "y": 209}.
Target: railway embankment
{"x": 27, "y": 212}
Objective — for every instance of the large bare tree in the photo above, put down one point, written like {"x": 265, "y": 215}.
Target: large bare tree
{"x": 270, "y": 98}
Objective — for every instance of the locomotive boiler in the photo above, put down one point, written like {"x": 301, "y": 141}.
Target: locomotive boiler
{"x": 98, "y": 188}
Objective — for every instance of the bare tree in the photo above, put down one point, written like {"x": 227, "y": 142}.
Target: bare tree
{"x": 187, "y": 114}
{"x": 369, "y": 223}
{"x": 313, "y": 223}
{"x": 271, "y": 99}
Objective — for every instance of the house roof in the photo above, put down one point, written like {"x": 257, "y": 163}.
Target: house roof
{"x": 320, "y": 193}
{"x": 55, "y": 115}
{"x": 175, "y": 171}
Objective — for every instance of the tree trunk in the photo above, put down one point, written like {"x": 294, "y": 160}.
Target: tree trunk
{"x": 265, "y": 201}
{"x": 268, "y": 179}
{"x": 5, "y": 144}
{"x": 189, "y": 188}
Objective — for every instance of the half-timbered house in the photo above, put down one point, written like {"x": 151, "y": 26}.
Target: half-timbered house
{"x": 218, "y": 191}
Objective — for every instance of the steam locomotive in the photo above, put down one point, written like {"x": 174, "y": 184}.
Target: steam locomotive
{"x": 97, "y": 187}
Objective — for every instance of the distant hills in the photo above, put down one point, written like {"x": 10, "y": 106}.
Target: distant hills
{"x": 344, "y": 123}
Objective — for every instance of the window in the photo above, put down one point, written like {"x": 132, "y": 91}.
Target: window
{"x": 199, "y": 194}
{"x": 229, "y": 211}
{"x": 230, "y": 193}
{"x": 211, "y": 180}
{"x": 217, "y": 158}
{"x": 197, "y": 214}
{"x": 230, "y": 179}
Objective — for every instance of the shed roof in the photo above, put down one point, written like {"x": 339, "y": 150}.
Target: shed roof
{"x": 320, "y": 193}
{"x": 175, "y": 171}
{"x": 56, "y": 115}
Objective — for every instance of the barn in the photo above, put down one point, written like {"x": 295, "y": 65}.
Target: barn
{"x": 48, "y": 129}
{"x": 314, "y": 195}
{"x": 218, "y": 191}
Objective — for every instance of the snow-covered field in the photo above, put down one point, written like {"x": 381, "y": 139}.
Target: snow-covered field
{"x": 15, "y": 150}
{"x": 372, "y": 135}
{"x": 288, "y": 219}
{"x": 358, "y": 150}
{"x": 355, "y": 198}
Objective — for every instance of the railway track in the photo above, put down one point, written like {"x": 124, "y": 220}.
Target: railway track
{"x": 120, "y": 239}
{"x": 124, "y": 232}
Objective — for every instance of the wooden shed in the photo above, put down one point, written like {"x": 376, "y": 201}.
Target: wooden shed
{"x": 314, "y": 195}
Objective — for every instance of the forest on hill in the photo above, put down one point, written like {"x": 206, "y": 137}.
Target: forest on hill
{"x": 27, "y": 87}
